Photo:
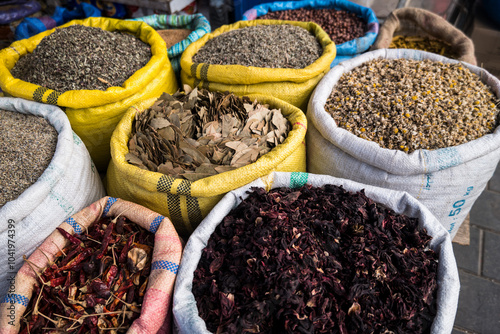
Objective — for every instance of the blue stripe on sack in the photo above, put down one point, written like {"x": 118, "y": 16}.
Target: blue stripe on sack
{"x": 109, "y": 203}
{"x": 155, "y": 224}
{"x": 15, "y": 298}
{"x": 72, "y": 222}
{"x": 165, "y": 265}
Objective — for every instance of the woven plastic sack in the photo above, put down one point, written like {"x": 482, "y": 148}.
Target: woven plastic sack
{"x": 420, "y": 22}
{"x": 185, "y": 202}
{"x": 197, "y": 23}
{"x": 186, "y": 318}
{"x": 345, "y": 50}
{"x": 156, "y": 315}
{"x": 447, "y": 180}
{"x": 93, "y": 114}
{"x": 290, "y": 85}
{"x": 69, "y": 184}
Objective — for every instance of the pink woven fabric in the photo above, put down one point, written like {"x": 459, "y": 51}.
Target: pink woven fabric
{"x": 156, "y": 311}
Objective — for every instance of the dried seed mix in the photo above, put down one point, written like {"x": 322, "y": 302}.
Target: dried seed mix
{"x": 80, "y": 57}
{"x": 409, "y": 105}
{"x": 422, "y": 43}
{"x": 270, "y": 46}
{"x": 173, "y": 36}
{"x": 316, "y": 260}
{"x": 26, "y": 149}
{"x": 340, "y": 25}
{"x": 198, "y": 133}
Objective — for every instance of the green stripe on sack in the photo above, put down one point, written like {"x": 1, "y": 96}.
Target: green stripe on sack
{"x": 165, "y": 184}
{"x": 193, "y": 209}
{"x": 38, "y": 94}
{"x": 204, "y": 72}
{"x": 298, "y": 179}
{"x": 174, "y": 208}
{"x": 193, "y": 70}
{"x": 53, "y": 97}
{"x": 184, "y": 188}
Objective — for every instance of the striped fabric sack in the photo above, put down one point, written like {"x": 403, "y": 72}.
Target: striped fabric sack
{"x": 156, "y": 313}
{"x": 197, "y": 23}
{"x": 186, "y": 202}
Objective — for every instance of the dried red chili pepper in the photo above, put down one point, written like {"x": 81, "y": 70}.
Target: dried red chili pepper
{"x": 91, "y": 276}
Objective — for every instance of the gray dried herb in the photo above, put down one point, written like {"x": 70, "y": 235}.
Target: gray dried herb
{"x": 80, "y": 57}
{"x": 270, "y": 46}
{"x": 198, "y": 133}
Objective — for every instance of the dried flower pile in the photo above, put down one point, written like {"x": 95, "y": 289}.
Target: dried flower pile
{"x": 409, "y": 104}
{"x": 316, "y": 260}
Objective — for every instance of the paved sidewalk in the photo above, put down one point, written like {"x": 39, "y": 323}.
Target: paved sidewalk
{"x": 479, "y": 266}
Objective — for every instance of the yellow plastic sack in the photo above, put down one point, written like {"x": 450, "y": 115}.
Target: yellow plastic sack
{"x": 187, "y": 203}
{"x": 94, "y": 114}
{"x": 290, "y": 85}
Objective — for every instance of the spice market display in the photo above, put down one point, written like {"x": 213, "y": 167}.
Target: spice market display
{"x": 197, "y": 133}
{"x": 311, "y": 257}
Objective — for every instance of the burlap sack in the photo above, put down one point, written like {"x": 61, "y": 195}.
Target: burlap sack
{"x": 420, "y": 22}
{"x": 156, "y": 312}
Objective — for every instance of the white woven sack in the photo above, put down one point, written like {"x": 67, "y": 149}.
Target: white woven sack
{"x": 448, "y": 180}
{"x": 69, "y": 184}
{"x": 186, "y": 318}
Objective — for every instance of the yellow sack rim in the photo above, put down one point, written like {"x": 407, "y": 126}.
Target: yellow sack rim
{"x": 239, "y": 74}
{"x": 216, "y": 184}
{"x": 86, "y": 98}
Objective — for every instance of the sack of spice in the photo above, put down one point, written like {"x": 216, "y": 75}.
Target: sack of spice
{"x": 110, "y": 266}
{"x": 283, "y": 59}
{"x": 409, "y": 120}
{"x": 179, "y": 194}
{"x": 305, "y": 253}
{"x": 420, "y": 29}
{"x": 353, "y": 28}
{"x": 178, "y": 31}
{"x": 46, "y": 175}
{"x": 95, "y": 69}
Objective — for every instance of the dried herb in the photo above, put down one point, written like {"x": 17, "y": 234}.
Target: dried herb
{"x": 270, "y": 46}
{"x": 316, "y": 260}
{"x": 197, "y": 133}
{"x": 26, "y": 149}
{"x": 423, "y": 43}
{"x": 95, "y": 284}
{"x": 80, "y": 57}
{"x": 408, "y": 105}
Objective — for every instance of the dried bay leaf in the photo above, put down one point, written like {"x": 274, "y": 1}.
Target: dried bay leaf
{"x": 159, "y": 123}
{"x": 198, "y": 133}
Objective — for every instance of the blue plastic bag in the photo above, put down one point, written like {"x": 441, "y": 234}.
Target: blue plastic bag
{"x": 345, "y": 50}
{"x": 31, "y": 26}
